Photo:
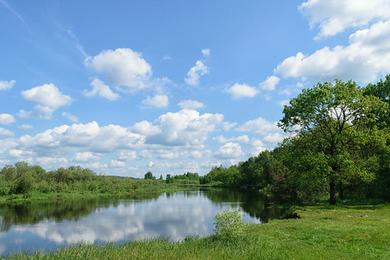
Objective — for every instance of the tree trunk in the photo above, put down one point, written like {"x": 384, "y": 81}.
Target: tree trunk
{"x": 332, "y": 192}
{"x": 341, "y": 191}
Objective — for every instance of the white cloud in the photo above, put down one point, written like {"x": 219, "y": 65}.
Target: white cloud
{"x": 195, "y": 73}
{"x": 191, "y": 104}
{"x": 241, "y": 139}
{"x": 25, "y": 126}
{"x": 47, "y": 97}
{"x": 206, "y": 52}
{"x": 257, "y": 147}
{"x": 25, "y": 113}
{"x": 6, "y": 132}
{"x": 238, "y": 90}
{"x": 365, "y": 58}
{"x": 90, "y": 135}
{"x": 70, "y": 117}
{"x": 185, "y": 127}
{"x": 227, "y": 126}
{"x": 127, "y": 155}
{"x": 123, "y": 68}
{"x": 145, "y": 128}
{"x": 99, "y": 88}
{"x": 18, "y": 153}
{"x": 6, "y": 119}
{"x": 275, "y": 137}
{"x": 270, "y": 83}
{"x": 229, "y": 151}
{"x": 259, "y": 126}
{"x": 335, "y": 16}
{"x": 158, "y": 101}
{"x": 85, "y": 157}
{"x": 4, "y": 85}
{"x": 117, "y": 164}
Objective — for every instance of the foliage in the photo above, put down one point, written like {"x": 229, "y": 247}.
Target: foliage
{"x": 186, "y": 178}
{"x": 149, "y": 176}
{"x": 23, "y": 184}
{"x": 339, "y": 147}
{"x": 22, "y": 178}
{"x": 228, "y": 224}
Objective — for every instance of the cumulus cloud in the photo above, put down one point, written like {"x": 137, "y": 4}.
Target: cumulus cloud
{"x": 335, "y": 16}
{"x": 239, "y": 90}
{"x": 123, "y": 68}
{"x": 190, "y": 104}
{"x": 195, "y": 73}
{"x": 47, "y": 97}
{"x": 100, "y": 89}
{"x": 145, "y": 128}
{"x": 6, "y": 119}
{"x": 90, "y": 135}
{"x": 185, "y": 127}
{"x": 257, "y": 147}
{"x": 241, "y": 139}
{"x": 4, "y": 85}
{"x": 270, "y": 83}
{"x": 127, "y": 155}
{"x": 365, "y": 58}
{"x": 259, "y": 126}
{"x": 6, "y": 132}
{"x": 229, "y": 151}
{"x": 70, "y": 117}
{"x": 85, "y": 156}
{"x": 158, "y": 101}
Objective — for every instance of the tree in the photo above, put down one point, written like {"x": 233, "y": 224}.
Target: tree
{"x": 23, "y": 184}
{"x": 149, "y": 176}
{"x": 334, "y": 117}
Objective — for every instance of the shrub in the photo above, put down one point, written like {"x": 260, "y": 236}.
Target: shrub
{"x": 23, "y": 184}
{"x": 228, "y": 224}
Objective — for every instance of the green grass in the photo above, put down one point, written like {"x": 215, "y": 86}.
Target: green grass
{"x": 135, "y": 191}
{"x": 322, "y": 232}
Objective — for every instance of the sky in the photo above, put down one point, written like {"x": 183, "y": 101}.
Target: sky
{"x": 125, "y": 87}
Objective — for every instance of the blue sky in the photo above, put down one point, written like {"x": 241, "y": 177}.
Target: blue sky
{"x": 124, "y": 87}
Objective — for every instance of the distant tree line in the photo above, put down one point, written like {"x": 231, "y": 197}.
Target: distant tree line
{"x": 339, "y": 147}
{"x": 23, "y": 178}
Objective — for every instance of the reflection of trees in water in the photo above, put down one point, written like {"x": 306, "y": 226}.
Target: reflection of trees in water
{"x": 32, "y": 213}
{"x": 251, "y": 202}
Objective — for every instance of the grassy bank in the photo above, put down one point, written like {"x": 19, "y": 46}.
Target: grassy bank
{"x": 358, "y": 232}
{"x": 137, "y": 189}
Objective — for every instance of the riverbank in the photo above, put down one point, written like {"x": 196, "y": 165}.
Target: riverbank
{"x": 135, "y": 191}
{"x": 322, "y": 232}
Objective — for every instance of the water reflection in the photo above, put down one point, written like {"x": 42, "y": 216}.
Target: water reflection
{"x": 31, "y": 227}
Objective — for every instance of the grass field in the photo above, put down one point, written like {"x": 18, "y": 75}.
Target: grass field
{"x": 322, "y": 232}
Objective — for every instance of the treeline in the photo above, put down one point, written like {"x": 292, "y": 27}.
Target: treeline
{"x": 23, "y": 178}
{"x": 185, "y": 179}
{"x": 340, "y": 147}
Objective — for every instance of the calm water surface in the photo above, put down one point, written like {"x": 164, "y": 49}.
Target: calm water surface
{"x": 174, "y": 216}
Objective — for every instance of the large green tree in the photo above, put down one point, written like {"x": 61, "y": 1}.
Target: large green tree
{"x": 335, "y": 118}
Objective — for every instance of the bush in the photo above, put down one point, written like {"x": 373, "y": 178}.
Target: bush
{"x": 23, "y": 184}
{"x": 228, "y": 224}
